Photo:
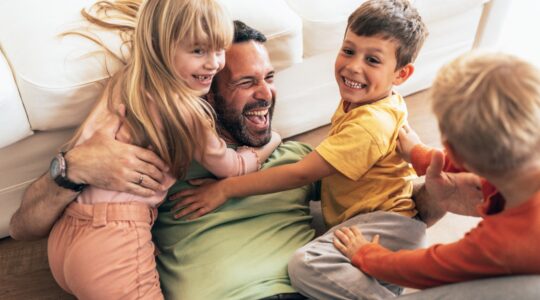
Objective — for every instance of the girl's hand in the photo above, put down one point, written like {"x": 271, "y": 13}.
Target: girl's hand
{"x": 349, "y": 240}
{"x": 407, "y": 139}
{"x": 198, "y": 201}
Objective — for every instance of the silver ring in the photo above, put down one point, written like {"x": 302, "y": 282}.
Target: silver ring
{"x": 141, "y": 178}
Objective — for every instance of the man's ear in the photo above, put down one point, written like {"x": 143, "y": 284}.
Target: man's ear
{"x": 403, "y": 73}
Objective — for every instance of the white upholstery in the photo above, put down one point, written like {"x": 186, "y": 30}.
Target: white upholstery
{"x": 55, "y": 75}
{"x": 282, "y": 27}
{"x": 13, "y": 122}
{"x": 54, "y": 80}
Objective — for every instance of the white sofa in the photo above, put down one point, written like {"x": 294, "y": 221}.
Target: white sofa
{"x": 48, "y": 83}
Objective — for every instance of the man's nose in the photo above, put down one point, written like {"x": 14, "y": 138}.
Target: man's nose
{"x": 264, "y": 91}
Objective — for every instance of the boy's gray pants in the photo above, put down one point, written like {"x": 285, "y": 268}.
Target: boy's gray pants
{"x": 319, "y": 271}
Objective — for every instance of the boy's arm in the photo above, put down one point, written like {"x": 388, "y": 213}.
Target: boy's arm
{"x": 209, "y": 196}
{"x": 411, "y": 148}
{"x": 469, "y": 258}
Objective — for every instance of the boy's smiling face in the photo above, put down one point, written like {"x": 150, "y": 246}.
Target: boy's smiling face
{"x": 365, "y": 68}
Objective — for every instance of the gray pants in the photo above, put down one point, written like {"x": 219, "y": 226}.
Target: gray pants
{"x": 319, "y": 271}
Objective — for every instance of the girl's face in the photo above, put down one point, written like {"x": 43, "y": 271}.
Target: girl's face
{"x": 197, "y": 65}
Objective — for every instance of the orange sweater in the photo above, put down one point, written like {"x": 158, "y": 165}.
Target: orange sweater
{"x": 504, "y": 243}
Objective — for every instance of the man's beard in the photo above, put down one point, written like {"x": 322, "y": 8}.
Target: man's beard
{"x": 234, "y": 122}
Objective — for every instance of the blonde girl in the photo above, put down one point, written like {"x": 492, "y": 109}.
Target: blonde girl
{"x": 101, "y": 247}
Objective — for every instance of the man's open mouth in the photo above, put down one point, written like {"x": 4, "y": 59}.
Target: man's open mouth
{"x": 258, "y": 117}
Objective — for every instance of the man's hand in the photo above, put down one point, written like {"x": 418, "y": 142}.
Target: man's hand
{"x": 349, "y": 240}
{"x": 107, "y": 163}
{"x": 206, "y": 197}
{"x": 407, "y": 139}
{"x": 459, "y": 193}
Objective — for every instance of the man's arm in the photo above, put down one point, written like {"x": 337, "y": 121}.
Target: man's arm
{"x": 43, "y": 202}
{"x": 100, "y": 161}
{"x": 458, "y": 193}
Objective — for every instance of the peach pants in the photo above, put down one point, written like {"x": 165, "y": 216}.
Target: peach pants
{"x": 105, "y": 251}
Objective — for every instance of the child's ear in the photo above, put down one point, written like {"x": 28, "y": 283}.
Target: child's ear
{"x": 403, "y": 73}
{"x": 454, "y": 157}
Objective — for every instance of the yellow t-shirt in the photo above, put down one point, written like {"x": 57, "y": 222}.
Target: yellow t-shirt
{"x": 372, "y": 176}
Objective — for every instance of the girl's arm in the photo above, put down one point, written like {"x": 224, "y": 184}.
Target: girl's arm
{"x": 226, "y": 162}
{"x": 208, "y": 197}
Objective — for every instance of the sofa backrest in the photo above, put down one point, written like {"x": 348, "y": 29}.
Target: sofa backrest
{"x": 58, "y": 79}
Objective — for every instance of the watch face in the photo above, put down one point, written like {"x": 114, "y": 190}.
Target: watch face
{"x": 55, "y": 168}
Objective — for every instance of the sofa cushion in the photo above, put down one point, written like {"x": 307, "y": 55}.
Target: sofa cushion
{"x": 60, "y": 77}
{"x": 57, "y": 78}
{"x": 282, "y": 27}
{"x": 439, "y": 10}
{"x": 328, "y": 19}
{"x": 13, "y": 122}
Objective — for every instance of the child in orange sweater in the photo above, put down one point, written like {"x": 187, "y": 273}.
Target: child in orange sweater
{"x": 488, "y": 108}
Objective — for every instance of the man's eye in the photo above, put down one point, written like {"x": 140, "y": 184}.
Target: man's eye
{"x": 269, "y": 78}
{"x": 244, "y": 84}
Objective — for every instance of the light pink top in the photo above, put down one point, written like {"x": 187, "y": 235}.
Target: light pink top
{"x": 218, "y": 159}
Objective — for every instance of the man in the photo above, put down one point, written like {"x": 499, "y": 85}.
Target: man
{"x": 241, "y": 250}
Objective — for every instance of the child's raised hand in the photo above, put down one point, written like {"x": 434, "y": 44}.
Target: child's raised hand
{"x": 349, "y": 240}
{"x": 198, "y": 201}
{"x": 407, "y": 139}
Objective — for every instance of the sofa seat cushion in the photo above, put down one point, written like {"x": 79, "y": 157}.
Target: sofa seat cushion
{"x": 13, "y": 122}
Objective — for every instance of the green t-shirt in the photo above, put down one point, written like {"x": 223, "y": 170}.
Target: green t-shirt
{"x": 239, "y": 251}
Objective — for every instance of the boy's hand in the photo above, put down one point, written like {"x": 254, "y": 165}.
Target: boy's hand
{"x": 459, "y": 193}
{"x": 349, "y": 240}
{"x": 206, "y": 197}
{"x": 407, "y": 139}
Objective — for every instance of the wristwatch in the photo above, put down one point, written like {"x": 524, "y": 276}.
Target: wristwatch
{"x": 58, "y": 172}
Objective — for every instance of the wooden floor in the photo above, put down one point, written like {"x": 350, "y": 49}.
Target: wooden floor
{"x": 24, "y": 271}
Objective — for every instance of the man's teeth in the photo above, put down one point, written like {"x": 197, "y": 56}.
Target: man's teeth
{"x": 353, "y": 84}
{"x": 256, "y": 113}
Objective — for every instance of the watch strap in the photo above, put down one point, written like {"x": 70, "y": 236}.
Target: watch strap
{"x": 62, "y": 180}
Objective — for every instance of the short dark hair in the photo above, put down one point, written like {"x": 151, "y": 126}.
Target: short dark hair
{"x": 392, "y": 19}
{"x": 244, "y": 33}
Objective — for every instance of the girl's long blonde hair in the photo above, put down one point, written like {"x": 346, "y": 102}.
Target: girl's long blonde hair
{"x": 153, "y": 30}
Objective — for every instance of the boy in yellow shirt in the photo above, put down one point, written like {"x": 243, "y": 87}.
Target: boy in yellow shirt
{"x": 364, "y": 180}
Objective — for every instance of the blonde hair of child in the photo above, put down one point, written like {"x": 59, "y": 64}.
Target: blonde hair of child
{"x": 488, "y": 107}
{"x": 157, "y": 29}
